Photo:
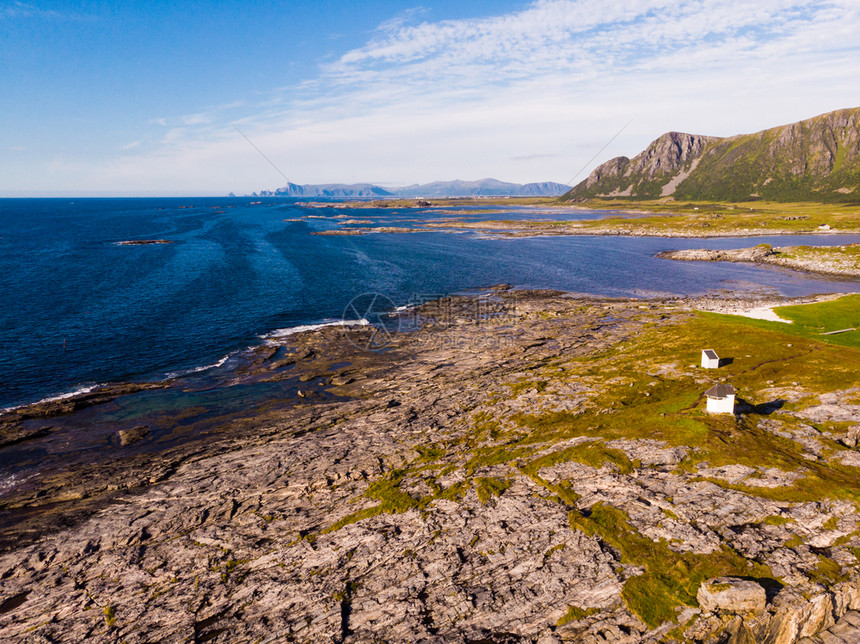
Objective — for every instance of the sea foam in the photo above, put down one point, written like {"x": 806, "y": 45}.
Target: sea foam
{"x": 292, "y": 330}
{"x": 84, "y": 389}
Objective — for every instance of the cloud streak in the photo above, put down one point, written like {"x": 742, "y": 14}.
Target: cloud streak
{"x": 23, "y": 10}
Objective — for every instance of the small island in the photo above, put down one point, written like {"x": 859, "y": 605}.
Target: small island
{"x": 143, "y": 242}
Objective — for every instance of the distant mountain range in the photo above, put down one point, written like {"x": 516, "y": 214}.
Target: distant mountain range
{"x": 437, "y": 189}
{"x": 481, "y": 188}
{"x": 335, "y": 190}
{"x": 814, "y": 160}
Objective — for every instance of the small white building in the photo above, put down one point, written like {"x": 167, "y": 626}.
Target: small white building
{"x": 710, "y": 360}
{"x": 721, "y": 399}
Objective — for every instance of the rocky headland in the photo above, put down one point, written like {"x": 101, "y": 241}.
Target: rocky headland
{"x": 827, "y": 260}
{"x": 520, "y": 467}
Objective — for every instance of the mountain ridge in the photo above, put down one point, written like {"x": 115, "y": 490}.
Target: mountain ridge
{"x": 817, "y": 159}
{"x": 457, "y": 188}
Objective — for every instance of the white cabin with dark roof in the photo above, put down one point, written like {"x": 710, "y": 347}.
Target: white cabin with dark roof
{"x": 721, "y": 399}
{"x": 710, "y": 359}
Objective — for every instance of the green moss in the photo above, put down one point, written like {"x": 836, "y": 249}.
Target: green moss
{"x": 487, "y": 488}
{"x": 575, "y": 614}
{"x": 831, "y": 524}
{"x": 110, "y": 616}
{"x": 671, "y": 579}
{"x": 230, "y": 566}
{"x": 827, "y": 572}
{"x": 720, "y": 587}
{"x": 625, "y": 401}
{"x": 494, "y": 455}
{"x": 594, "y": 454}
{"x": 392, "y": 498}
{"x": 452, "y": 493}
{"x": 527, "y": 385}
{"x": 487, "y": 425}
{"x": 556, "y": 548}
{"x": 429, "y": 453}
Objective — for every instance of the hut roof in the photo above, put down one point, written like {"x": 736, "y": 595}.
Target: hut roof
{"x": 720, "y": 391}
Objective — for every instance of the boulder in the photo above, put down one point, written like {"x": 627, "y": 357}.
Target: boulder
{"x": 731, "y": 594}
{"x": 130, "y": 436}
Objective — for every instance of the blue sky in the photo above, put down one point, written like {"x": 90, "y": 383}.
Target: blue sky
{"x": 144, "y": 98}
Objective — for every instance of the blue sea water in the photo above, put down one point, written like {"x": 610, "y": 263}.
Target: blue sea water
{"x": 78, "y": 309}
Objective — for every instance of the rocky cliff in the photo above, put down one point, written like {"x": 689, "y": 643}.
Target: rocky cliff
{"x": 817, "y": 160}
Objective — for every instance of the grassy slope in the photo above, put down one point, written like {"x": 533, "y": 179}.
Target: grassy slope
{"x": 786, "y": 163}
{"x": 755, "y": 166}
{"x": 811, "y": 320}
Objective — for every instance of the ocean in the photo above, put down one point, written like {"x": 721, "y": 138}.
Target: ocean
{"x": 80, "y": 309}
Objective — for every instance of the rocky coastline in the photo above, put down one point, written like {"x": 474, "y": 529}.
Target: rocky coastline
{"x": 826, "y": 260}
{"x": 523, "y": 466}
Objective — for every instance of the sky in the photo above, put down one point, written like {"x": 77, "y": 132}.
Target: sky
{"x": 145, "y": 98}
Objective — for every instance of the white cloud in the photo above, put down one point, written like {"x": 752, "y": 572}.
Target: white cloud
{"x": 23, "y": 10}
{"x": 197, "y": 119}
{"x": 402, "y": 19}
{"x": 590, "y": 35}
{"x": 531, "y": 95}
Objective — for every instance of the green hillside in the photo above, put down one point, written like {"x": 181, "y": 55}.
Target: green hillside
{"x": 814, "y": 160}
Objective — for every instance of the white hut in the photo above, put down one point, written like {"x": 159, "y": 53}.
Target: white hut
{"x": 721, "y": 399}
{"x": 710, "y": 360}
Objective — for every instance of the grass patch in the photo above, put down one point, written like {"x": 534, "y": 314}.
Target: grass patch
{"x": 575, "y": 614}
{"x": 487, "y": 488}
{"x": 811, "y": 320}
{"x": 526, "y": 385}
{"x": 430, "y": 453}
{"x": 392, "y": 500}
{"x": 671, "y": 579}
{"x": 494, "y": 455}
{"x": 594, "y": 454}
{"x": 827, "y": 572}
